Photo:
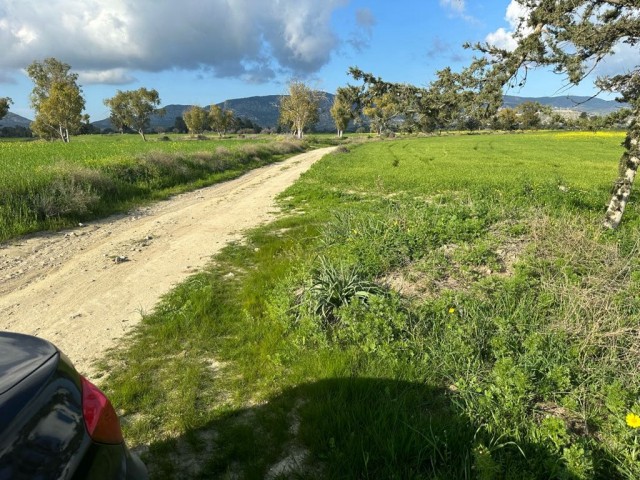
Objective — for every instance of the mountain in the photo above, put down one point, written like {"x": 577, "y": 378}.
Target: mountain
{"x": 12, "y": 120}
{"x": 594, "y": 106}
{"x": 264, "y": 110}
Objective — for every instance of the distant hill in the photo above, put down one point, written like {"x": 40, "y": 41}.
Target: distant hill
{"x": 264, "y": 110}
{"x": 594, "y": 106}
{"x": 13, "y": 120}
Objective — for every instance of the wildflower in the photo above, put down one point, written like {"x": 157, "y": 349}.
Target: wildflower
{"x": 633, "y": 420}
{"x": 452, "y": 310}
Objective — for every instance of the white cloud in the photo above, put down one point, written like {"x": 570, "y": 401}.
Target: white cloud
{"x": 105, "y": 39}
{"x": 623, "y": 60}
{"x": 506, "y": 39}
{"x": 115, "y": 76}
{"x": 502, "y": 39}
{"x": 457, "y": 6}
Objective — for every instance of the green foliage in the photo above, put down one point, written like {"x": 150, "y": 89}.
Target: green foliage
{"x": 220, "y": 120}
{"x": 333, "y": 286}
{"x": 342, "y": 110}
{"x": 5, "y": 103}
{"x": 133, "y": 109}
{"x": 99, "y": 175}
{"x": 56, "y": 98}
{"x": 196, "y": 119}
{"x": 299, "y": 109}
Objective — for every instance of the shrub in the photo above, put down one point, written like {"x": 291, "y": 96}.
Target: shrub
{"x": 336, "y": 285}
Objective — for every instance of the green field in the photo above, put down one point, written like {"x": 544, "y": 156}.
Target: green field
{"x": 444, "y": 307}
{"x": 432, "y": 308}
{"x": 48, "y": 185}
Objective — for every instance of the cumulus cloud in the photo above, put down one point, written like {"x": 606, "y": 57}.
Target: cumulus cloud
{"x": 106, "y": 39}
{"x": 114, "y": 76}
{"x": 506, "y": 39}
{"x": 457, "y": 8}
{"x": 623, "y": 58}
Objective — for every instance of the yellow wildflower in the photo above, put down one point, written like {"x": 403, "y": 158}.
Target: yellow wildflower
{"x": 633, "y": 420}
{"x": 452, "y": 310}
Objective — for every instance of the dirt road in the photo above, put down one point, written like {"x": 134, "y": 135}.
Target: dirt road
{"x": 85, "y": 288}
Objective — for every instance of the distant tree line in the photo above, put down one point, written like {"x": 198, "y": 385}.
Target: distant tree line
{"x": 58, "y": 103}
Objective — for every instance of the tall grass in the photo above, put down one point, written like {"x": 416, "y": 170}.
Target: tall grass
{"x": 49, "y": 185}
{"x": 458, "y": 315}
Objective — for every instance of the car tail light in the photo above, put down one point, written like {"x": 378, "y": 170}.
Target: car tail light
{"x": 100, "y": 418}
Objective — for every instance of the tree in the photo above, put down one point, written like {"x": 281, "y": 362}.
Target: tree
{"x": 342, "y": 110}
{"x": 56, "y": 98}
{"x": 382, "y": 110}
{"x": 179, "y": 126}
{"x": 573, "y": 36}
{"x": 220, "y": 119}
{"x": 453, "y": 98}
{"x": 196, "y": 119}
{"x": 5, "y": 102}
{"x": 529, "y": 114}
{"x": 133, "y": 109}
{"x": 507, "y": 119}
{"x": 299, "y": 109}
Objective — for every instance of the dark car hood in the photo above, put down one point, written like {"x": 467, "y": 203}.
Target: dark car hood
{"x": 20, "y": 355}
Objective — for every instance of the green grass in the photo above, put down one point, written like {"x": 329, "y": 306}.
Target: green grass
{"x": 49, "y": 185}
{"x": 428, "y": 308}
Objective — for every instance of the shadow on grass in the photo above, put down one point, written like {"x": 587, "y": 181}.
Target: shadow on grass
{"x": 341, "y": 428}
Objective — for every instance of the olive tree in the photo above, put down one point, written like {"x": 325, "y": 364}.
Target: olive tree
{"x": 5, "y": 103}
{"x": 572, "y": 37}
{"x": 196, "y": 119}
{"x": 299, "y": 109}
{"x": 56, "y": 98}
{"x": 133, "y": 109}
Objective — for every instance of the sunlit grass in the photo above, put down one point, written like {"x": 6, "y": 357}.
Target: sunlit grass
{"x": 501, "y": 340}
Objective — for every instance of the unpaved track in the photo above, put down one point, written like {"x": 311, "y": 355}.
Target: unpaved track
{"x": 83, "y": 289}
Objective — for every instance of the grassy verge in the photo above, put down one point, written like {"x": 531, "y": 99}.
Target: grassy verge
{"x": 430, "y": 308}
{"x": 49, "y": 186}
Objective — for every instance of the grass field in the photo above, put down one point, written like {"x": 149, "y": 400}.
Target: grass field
{"x": 48, "y": 185}
{"x": 427, "y": 308}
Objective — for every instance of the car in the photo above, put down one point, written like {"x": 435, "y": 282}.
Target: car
{"x": 54, "y": 423}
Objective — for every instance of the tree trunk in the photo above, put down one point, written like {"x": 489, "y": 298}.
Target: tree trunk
{"x": 628, "y": 168}
{"x": 141, "y": 132}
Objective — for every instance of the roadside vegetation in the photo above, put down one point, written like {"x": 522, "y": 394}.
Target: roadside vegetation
{"x": 445, "y": 307}
{"x": 49, "y": 185}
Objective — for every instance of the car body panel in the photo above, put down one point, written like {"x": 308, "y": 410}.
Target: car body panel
{"x": 42, "y": 428}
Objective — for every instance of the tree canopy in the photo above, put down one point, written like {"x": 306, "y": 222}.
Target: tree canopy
{"x": 220, "y": 119}
{"x": 299, "y": 109}
{"x": 197, "y": 120}
{"x": 56, "y": 98}
{"x": 133, "y": 109}
{"x": 5, "y": 103}
{"x": 343, "y": 109}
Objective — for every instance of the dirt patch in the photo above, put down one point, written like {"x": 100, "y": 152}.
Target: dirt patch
{"x": 85, "y": 288}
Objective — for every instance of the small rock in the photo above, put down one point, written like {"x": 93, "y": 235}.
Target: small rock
{"x": 229, "y": 275}
{"x": 121, "y": 259}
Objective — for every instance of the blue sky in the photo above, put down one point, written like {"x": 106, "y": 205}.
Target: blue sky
{"x": 207, "y": 51}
